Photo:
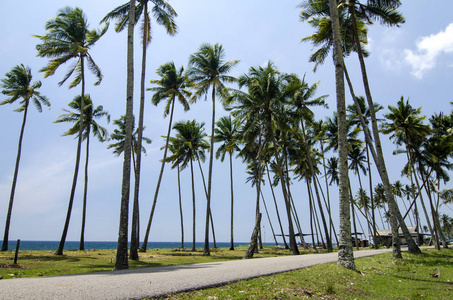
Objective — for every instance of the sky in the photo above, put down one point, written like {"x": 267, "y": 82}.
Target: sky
{"x": 413, "y": 61}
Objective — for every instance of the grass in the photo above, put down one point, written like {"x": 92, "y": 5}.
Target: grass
{"x": 45, "y": 263}
{"x": 378, "y": 277}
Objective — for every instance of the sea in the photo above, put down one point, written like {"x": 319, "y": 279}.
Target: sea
{"x": 89, "y": 245}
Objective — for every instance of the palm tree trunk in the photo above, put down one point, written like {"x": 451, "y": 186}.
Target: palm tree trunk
{"x": 393, "y": 207}
{"x": 85, "y": 193}
{"x": 292, "y": 238}
{"x": 121, "y": 253}
{"x": 193, "y": 206}
{"x": 312, "y": 173}
{"x": 232, "y": 203}
{"x": 253, "y": 239}
{"x": 135, "y": 211}
{"x": 206, "y": 193}
{"x": 327, "y": 204}
{"x": 353, "y": 216}
{"x": 206, "y": 251}
{"x": 77, "y": 163}
{"x": 310, "y": 202}
{"x": 269, "y": 219}
{"x": 13, "y": 187}
{"x": 180, "y": 209}
{"x": 276, "y": 207}
{"x": 331, "y": 226}
{"x": 156, "y": 192}
{"x": 373, "y": 217}
{"x": 345, "y": 255}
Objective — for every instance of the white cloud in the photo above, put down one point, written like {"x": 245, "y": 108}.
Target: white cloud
{"x": 429, "y": 48}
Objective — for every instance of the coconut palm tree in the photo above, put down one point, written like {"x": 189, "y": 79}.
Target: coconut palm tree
{"x": 354, "y": 37}
{"x": 345, "y": 255}
{"x": 190, "y": 145}
{"x": 68, "y": 38}
{"x": 208, "y": 70}
{"x": 261, "y": 106}
{"x": 18, "y": 85}
{"x": 301, "y": 100}
{"x": 90, "y": 126}
{"x": 227, "y": 132}
{"x": 171, "y": 86}
{"x": 164, "y": 15}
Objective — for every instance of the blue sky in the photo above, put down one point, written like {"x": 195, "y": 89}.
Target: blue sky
{"x": 415, "y": 61}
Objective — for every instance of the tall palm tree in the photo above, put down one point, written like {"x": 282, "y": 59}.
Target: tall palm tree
{"x": 227, "y": 132}
{"x": 89, "y": 126}
{"x": 208, "y": 70}
{"x": 68, "y": 38}
{"x": 121, "y": 261}
{"x": 164, "y": 15}
{"x": 357, "y": 16}
{"x": 189, "y": 144}
{"x": 172, "y": 85}
{"x": 345, "y": 255}
{"x": 18, "y": 85}
{"x": 119, "y": 135}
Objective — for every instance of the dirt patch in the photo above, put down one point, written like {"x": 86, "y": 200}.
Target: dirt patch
{"x": 11, "y": 266}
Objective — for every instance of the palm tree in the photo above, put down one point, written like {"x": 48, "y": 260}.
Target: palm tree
{"x": 119, "y": 135}
{"x": 405, "y": 126}
{"x": 121, "y": 261}
{"x": 67, "y": 38}
{"x": 208, "y": 70}
{"x": 171, "y": 86}
{"x": 164, "y": 15}
{"x": 189, "y": 144}
{"x": 89, "y": 126}
{"x": 18, "y": 85}
{"x": 354, "y": 38}
{"x": 261, "y": 108}
{"x": 345, "y": 255}
{"x": 227, "y": 133}
{"x": 301, "y": 102}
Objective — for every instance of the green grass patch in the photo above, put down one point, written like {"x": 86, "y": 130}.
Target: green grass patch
{"x": 45, "y": 263}
{"x": 378, "y": 277}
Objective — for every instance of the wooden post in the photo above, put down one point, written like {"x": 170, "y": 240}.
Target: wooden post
{"x": 17, "y": 251}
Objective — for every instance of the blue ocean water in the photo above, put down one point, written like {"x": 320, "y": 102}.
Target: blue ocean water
{"x": 74, "y": 245}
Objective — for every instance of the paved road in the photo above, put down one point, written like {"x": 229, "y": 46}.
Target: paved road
{"x": 152, "y": 282}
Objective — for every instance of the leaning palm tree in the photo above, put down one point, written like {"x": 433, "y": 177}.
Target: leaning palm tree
{"x": 164, "y": 15}
{"x": 68, "y": 38}
{"x": 354, "y": 18}
{"x": 189, "y": 144}
{"x": 18, "y": 85}
{"x": 227, "y": 133}
{"x": 208, "y": 70}
{"x": 171, "y": 86}
{"x": 89, "y": 126}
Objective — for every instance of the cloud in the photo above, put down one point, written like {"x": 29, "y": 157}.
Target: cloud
{"x": 429, "y": 48}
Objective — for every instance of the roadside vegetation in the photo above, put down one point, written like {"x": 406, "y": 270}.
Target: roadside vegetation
{"x": 378, "y": 277}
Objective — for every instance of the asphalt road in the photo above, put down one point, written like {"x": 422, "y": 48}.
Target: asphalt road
{"x": 152, "y": 282}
